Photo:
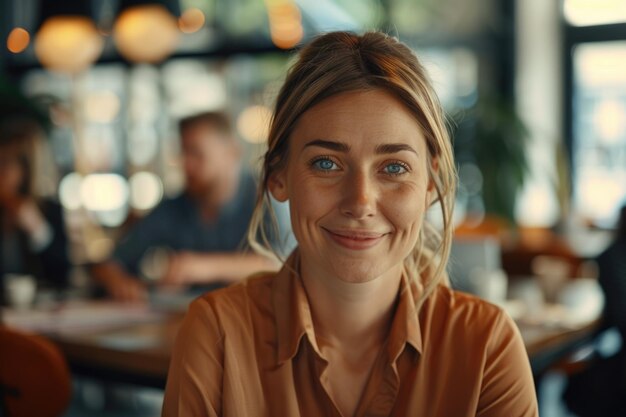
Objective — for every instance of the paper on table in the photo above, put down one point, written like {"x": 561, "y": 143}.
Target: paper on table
{"x": 79, "y": 316}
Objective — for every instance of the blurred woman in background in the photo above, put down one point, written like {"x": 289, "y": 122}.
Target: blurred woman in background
{"x": 33, "y": 238}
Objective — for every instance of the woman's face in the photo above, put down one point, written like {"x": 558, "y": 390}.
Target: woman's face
{"x": 357, "y": 184}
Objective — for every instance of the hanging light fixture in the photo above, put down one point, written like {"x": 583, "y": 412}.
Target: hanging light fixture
{"x": 67, "y": 39}
{"x": 146, "y": 31}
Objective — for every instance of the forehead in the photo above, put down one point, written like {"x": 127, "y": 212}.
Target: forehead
{"x": 359, "y": 119}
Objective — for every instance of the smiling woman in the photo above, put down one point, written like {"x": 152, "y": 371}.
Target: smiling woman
{"x": 357, "y": 197}
{"x": 359, "y": 321}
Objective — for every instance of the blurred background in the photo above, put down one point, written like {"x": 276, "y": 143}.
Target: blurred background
{"x": 535, "y": 91}
{"x": 539, "y": 83}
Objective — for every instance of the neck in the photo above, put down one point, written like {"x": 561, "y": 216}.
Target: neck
{"x": 357, "y": 315}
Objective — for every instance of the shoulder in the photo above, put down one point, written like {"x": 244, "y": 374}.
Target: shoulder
{"x": 169, "y": 208}
{"x": 465, "y": 317}
{"x": 237, "y": 306}
{"x": 482, "y": 338}
{"x": 172, "y": 203}
{"x": 445, "y": 300}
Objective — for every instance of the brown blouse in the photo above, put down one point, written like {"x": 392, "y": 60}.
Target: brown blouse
{"x": 250, "y": 350}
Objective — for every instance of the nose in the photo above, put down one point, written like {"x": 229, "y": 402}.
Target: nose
{"x": 360, "y": 196}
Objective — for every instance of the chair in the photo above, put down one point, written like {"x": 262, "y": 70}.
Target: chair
{"x": 34, "y": 377}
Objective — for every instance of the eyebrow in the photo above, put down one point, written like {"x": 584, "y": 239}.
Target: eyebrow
{"x": 329, "y": 144}
{"x": 387, "y": 148}
{"x": 394, "y": 148}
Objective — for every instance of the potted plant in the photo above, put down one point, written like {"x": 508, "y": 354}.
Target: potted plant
{"x": 492, "y": 137}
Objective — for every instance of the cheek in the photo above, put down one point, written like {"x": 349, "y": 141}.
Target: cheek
{"x": 309, "y": 202}
{"x": 405, "y": 208}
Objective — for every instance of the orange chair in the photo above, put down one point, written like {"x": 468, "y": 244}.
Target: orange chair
{"x": 34, "y": 377}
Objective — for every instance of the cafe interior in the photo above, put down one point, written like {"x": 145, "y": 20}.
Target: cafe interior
{"x": 94, "y": 90}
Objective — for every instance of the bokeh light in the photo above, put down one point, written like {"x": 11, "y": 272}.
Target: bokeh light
{"x": 146, "y": 190}
{"x": 68, "y": 44}
{"x": 18, "y": 40}
{"x": 285, "y": 23}
{"x": 253, "y": 124}
{"x": 609, "y": 119}
{"x": 69, "y": 191}
{"x": 146, "y": 33}
{"x": 104, "y": 192}
{"x": 192, "y": 20}
{"x": 594, "y": 12}
{"x": 102, "y": 106}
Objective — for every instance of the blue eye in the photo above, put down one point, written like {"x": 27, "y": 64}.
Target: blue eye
{"x": 324, "y": 165}
{"x": 395, "y": 169}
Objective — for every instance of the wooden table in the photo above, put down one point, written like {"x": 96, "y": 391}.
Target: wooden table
{"x": 139, "y": 353}
{"x": 103, "y": 354}
{"x": 106, "y": 340}
{"x": 548, "y": 345}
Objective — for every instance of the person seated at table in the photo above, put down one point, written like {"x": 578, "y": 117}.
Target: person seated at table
{"x": 32, "y": 229}
{"x": 612, "y": 277}
{"x": 203, "y": 227}
{"x": 359, "y": 321}
{"x": 598, "y": 390}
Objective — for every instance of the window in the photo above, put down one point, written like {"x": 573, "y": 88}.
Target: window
{"x": 599, "y": 129}
{"x": 594, "y": 12}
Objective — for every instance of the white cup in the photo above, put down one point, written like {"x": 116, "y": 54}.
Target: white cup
{"x": 20, "y": 290}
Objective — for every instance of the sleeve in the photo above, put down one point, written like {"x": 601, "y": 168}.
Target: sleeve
{"x": 194, "y": 382}
{"x": 507, "y": 388}
{"x": 146, "y": 233}
{"x": 54, "y": 256}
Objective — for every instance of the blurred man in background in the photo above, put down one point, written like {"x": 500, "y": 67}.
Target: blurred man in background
{"x": 203, "y": 228}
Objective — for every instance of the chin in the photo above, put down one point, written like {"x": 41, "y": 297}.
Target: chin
{"x": 359, "y": 270}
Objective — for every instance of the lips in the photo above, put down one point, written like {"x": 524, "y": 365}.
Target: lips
{"x": 355, "y": 239}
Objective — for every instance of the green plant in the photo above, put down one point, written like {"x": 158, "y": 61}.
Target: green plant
{"x": 493, "y": 136}
{"x": 14, "y": 104}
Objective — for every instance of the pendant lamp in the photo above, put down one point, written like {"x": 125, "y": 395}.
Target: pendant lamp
{"x": 67, "y": 39}
{"x": 146, "y": 31}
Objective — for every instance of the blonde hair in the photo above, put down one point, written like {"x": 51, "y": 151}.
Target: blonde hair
{"x": 340, "y": 62}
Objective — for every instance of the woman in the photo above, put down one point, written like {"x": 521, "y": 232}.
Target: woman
{"x": 32, "y": 232}
{"x": 359, "y": 320}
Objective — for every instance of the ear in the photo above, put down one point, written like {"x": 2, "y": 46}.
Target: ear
{"x": 277, "y": 186}
{"x": 431, "y": 190}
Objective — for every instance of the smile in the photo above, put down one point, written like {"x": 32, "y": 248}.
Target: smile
{"x": 356, "y": 240}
